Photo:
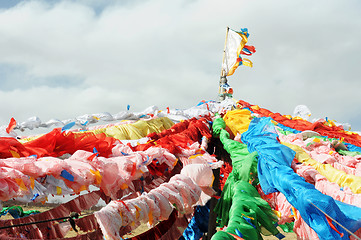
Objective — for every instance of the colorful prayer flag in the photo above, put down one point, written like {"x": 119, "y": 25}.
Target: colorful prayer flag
{"x": 235, "y": 47}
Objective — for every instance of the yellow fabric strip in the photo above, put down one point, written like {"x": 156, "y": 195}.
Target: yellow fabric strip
{"x": 124, "y": 132}
{"x": 154, "y": 125}
{"x": 137, "y": 212}
{"x": 131, "y": 131}
{"x": 238, "y": 120}
{"x": 233, "y": 69}
{"x": 58, "y": 190}
{"x": 247, "y": 62}
{"x": 124, "y": 186}
{"x": 326, "y": 170}
{"x": 28, "y": 139}
{"x": 15, "y": 154}
{"x": 150, "y": 217}
{"x": 32, "y": 182}
{"x": 135, "y": 130}
{"x": 97, "y": 175}
{"x": 21, "y": 184}
{"x": 83, "y": 188}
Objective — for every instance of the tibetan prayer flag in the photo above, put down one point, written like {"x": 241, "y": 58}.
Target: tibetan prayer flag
{"x": 11, "y": 125}
{"x": 235, "y": 48}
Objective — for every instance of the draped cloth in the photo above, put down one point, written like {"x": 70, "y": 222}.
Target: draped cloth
{"x": 240, "y": 207}
{"x": 275, "y": 174}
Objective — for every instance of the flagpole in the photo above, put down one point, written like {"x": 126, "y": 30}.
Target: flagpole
{"x": 224, "y": 51}
{"x": 223, "y": 79}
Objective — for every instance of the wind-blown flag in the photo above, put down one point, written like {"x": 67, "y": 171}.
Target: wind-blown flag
{"x": 11, "y": 125}
{"x": 235, "y": 47}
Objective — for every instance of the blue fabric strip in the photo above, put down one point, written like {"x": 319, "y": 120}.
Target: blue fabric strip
{"x": 275, "y": 174}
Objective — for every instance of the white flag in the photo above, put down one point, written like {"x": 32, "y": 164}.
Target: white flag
{"x": 236, "y": 42}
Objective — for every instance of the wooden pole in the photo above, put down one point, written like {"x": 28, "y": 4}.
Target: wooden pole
{"x": 224, "y": 53}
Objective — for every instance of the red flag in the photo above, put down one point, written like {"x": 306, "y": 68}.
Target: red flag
{"x": 11, "y": 126}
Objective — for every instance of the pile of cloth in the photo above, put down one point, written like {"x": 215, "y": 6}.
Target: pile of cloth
{"x": 157, "y": 168}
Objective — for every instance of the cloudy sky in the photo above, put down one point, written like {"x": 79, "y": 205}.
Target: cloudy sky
{"x": 62, "y": 59}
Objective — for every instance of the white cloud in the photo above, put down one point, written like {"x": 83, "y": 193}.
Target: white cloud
{"x": 154, "y": 53}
